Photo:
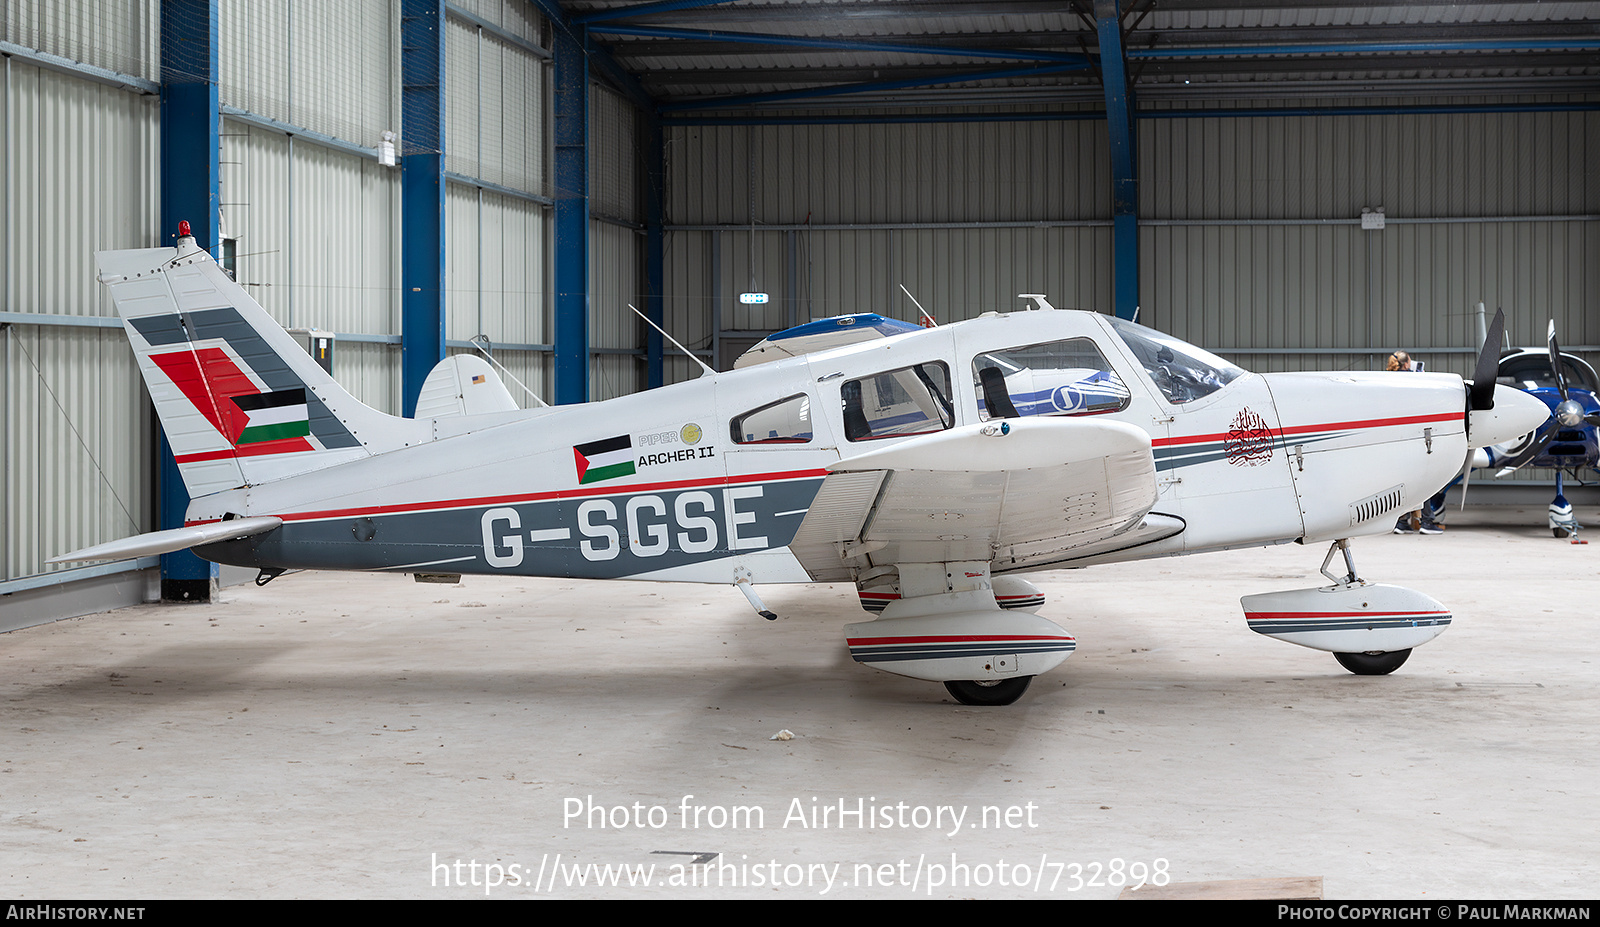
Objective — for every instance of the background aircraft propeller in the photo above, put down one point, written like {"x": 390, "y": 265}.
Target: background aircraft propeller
{"x": 1568, "y": 414}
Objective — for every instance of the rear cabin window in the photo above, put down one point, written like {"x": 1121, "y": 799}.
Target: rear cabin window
{"x": 1068, "y": 377}
{"x": 909, "y": 401}
{"x": 787, "y": 421}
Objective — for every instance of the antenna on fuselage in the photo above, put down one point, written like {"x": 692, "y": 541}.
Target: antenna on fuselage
{"x": 485, "y": 347}
{"x": 1039, "y": 300}
{"x": 674, "y": 341}
{"x": 927, "y": 320}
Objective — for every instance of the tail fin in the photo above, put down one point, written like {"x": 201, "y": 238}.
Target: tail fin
{"x": 241, "y": 402}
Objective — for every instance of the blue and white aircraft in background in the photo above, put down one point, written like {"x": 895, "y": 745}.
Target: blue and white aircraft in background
{"x": 928, "y": 466}
{"x": 1567, "y": 441}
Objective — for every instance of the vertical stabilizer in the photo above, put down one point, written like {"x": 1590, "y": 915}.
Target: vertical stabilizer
{"x": 240, "y": 401}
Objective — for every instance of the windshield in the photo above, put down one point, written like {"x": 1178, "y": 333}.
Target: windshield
{"x": 1180, "y": 370}
{"x": 1532, "y": 371}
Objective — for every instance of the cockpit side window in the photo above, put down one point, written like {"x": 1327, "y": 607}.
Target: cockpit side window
{"x": 1180, "y": 370}
{"x": 909, "y": 401}
{"x": 787, "y": 421}
{"x": 1068, "y": 377}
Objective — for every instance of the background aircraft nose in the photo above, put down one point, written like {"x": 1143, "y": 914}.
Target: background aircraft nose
{"x": 1515, "y": 413}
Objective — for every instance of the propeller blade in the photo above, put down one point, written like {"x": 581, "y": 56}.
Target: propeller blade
{"x": 1555, "y": 361}
{"x": 1482, "y": 395}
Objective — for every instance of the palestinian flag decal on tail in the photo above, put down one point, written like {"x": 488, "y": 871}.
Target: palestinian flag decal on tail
{"x": 272, "y": 416}
{"x": 604, "y": 460}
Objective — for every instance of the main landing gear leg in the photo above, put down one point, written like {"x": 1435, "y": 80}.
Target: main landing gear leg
{"x": 1351, "y": 579}
{"x": 1371, "y": 663}
{"x": 947, "y": 626}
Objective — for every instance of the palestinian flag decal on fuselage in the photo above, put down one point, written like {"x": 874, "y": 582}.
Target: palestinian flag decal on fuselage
{"x": 273, "y": 416}
{"x": 604, "y": 460}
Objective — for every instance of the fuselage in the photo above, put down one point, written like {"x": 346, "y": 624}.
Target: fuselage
{"x": 711, "y": 480}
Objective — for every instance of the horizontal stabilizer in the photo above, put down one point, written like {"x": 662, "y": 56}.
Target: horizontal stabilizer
{"x": 165, "y": 542}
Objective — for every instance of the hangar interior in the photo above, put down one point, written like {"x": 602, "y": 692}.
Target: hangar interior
{"x": 412, "y": 175}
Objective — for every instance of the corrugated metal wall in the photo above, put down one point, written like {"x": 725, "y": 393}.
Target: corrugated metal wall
{"x": 616, "y": 364}
{"x": 317, "y": 225}
{"x": 889, "y": 173}
{"x": 498, "y": 244}
{"x": 331, "y": 67}
{"x": 616, "y": 246}
{"x": 965, "y": 215}
{"x": 1250, "y": 233}
{"x": 494, "y": 99}
{"x": 1249, "y": 226}
{"x": 72, "y": 414}
{"x": 1250, "y": 238}
{"x": 73, "y": 408}
{"x": 122, "y": 37}
{"x": 496, "y": 274}
{"x": 318, "y": 244}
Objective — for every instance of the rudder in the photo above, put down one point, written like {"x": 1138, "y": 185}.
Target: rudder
{"x": 241, "y": 402}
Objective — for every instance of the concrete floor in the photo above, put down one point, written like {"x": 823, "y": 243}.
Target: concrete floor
{"x": 336, "y": 735}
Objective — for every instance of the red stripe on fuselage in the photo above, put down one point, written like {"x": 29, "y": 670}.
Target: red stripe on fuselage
{"x": 955, "y": 639}
{"x": 1307, "y": 429}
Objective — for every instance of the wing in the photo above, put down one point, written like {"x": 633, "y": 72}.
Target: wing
{"x": 1026, "y": 494}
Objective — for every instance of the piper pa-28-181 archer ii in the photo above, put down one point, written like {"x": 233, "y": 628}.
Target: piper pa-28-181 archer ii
{"x": 928, "y": 466}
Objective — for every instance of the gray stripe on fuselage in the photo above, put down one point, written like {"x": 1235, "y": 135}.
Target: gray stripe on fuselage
{"x": 1274, "y": 626}
{"x": 502, "y": 531}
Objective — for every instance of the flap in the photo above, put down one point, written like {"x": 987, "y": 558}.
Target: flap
{"x": 1023, "y": 492}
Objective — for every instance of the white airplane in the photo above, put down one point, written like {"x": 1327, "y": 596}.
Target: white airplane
{"x": 929, "y": 466}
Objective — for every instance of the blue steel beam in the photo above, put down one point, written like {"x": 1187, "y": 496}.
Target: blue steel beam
{"x": 885, "y": 119}
{"x": 1399, "y": 110}
{"x": 841, "y": 44}
{"x": 867, "y": 87}
{"x": 1124, "y": 179}
{"x": 599, "y": 58}
{"x": 572, "y": 219}
{"x": 1082, "y": 115}
{"x": 644, "y": 9}
{"x": 1347, "y": 48}
{"x": 422, "y": 187}
{"x": 191, "y": 191}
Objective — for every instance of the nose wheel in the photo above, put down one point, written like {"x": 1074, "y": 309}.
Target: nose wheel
{"x": 988, "y": 691}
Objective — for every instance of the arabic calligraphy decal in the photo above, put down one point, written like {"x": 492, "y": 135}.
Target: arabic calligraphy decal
{"x": 1249, "y": 442}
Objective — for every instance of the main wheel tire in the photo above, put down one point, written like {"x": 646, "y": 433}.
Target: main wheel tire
{"x": 988, "y": 691}
{"x": 1373, "y": 664}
